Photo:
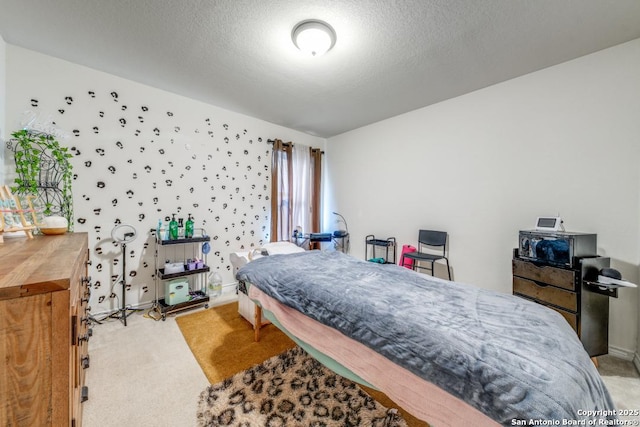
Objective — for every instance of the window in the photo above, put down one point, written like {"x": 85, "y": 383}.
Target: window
{"x": 296, "y": 173}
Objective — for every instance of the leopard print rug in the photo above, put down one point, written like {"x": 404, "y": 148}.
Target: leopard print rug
{"x": 291, "y": 389}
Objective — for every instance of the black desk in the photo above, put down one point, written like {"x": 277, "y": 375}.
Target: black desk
{"x": 339, "y": 243}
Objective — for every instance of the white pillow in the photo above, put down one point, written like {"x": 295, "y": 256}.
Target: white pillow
{"x": 276, "y": 248}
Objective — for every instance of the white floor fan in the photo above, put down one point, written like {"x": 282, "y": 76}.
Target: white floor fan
{"x": 123, "y": 234}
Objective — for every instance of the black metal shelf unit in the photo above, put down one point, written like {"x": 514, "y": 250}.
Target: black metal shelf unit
{"x": 388, "y": 246}
{"x": 197, "y": 293}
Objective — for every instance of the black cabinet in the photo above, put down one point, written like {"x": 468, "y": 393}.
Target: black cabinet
{"x": 569, "y": 292}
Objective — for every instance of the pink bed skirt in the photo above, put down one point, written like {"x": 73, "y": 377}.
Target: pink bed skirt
{"x": 421, "y": 398}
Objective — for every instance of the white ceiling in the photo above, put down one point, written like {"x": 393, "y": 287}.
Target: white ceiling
{"x": 391, "y": 56}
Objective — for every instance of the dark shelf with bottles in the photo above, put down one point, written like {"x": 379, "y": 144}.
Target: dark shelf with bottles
{"x": 183, "y": 240}
{"x": 193, "y": 267}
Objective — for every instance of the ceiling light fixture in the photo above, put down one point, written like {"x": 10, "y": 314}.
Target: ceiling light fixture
{"x": 313, "y": 37}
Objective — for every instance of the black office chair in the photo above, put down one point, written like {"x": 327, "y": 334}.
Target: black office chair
{"x": 430, "y": 240}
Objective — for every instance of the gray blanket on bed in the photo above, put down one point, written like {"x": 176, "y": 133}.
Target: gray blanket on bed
{"x": 512, "y": 359}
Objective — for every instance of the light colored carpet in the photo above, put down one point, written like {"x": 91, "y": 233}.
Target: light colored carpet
{"x": 141, "y": 375}
{"x": 625, "y": 392}
{"x": 144, "y": 374}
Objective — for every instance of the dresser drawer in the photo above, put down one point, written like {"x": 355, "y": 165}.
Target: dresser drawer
{"x": 545, "y": 293}
{"x": 559, "y": 277}
{"x": 571, "y": 318}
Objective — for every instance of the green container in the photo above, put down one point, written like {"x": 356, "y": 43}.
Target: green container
{"x": 173, "y": 228}
{"x": 188, "y": 228}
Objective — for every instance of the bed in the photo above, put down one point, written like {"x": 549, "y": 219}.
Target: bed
{"x": 449, "y": 353}
{"x": 246, "y": 307}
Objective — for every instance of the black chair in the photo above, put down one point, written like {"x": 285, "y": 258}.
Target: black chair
{"x": 433, "y": 241}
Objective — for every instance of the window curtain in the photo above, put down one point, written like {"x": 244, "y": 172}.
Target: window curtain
{"x": 316, "y": 187}
{"x": 301, "y": 189}
{"x": 296, "y": 173}
{"x": 281, "y": 184}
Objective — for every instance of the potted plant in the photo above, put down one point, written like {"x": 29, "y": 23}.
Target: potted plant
{"x": 44, "y": 169}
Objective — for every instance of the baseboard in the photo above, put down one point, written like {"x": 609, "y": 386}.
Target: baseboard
{"x": 624, "y": 354}
{"x": 228, "y": 295}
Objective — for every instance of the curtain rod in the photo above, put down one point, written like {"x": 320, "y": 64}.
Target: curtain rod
{"x": 287, "y": 144}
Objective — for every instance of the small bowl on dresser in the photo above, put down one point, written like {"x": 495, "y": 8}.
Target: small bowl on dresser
{"x": 54, "y": 225}
{"x": 50, "y": 231}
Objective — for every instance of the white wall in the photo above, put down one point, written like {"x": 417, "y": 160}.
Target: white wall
{"x": 3, "y": 98}
{"x": 482, "y": 166}
{"x": 141, "y": 154}
{"x": 564, "y": 140}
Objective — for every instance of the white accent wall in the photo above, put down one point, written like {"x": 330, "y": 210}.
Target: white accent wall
{"x": 141, "y": 154}
{"x": 3, "y": 100}
{"x": 564, "y": 140}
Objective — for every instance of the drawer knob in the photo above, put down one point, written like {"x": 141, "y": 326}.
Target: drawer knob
{"x": 85, "y": 362}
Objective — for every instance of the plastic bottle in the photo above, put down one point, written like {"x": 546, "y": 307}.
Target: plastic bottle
{"x": 215, "y": 285}
{"x": 188, "y": 228}
{"x": 165, "y": 231}
{"x": 173, "y": 228}
{"x": 159, "y": 230}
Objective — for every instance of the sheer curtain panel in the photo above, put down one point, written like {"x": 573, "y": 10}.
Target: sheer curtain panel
{"x": 296, "y": 184}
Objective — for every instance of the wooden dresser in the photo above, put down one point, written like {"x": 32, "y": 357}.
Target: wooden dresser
{"x": 566, "y": 291}
{"x": 44, "y": 291}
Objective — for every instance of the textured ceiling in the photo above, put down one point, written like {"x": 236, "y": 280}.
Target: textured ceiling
{"x": 391, "y": 56}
